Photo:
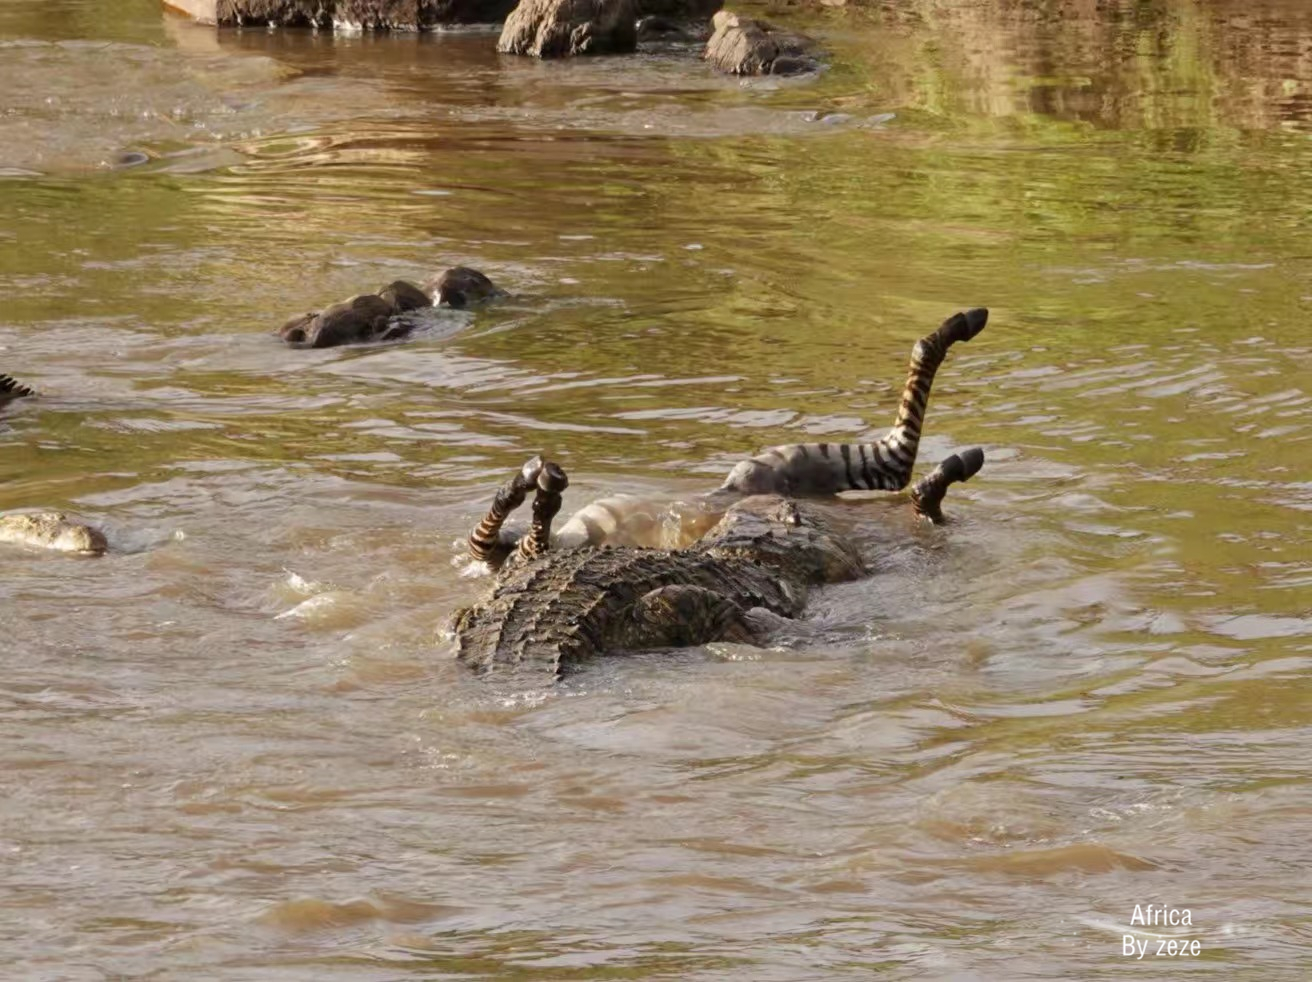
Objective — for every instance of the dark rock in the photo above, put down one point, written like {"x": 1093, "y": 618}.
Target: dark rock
{"x": 742, "y": 46}
{"x": 412, "y": 15}
{"x": 793, "y": 65}
{"x": 297, "y": 330}
{"x": 403, "y": 296}
{"x": 658, "y": 27}
{"x": 280, "y": 13}
{"x": 563, "y": 28}
{"x": 460, "y": 286}
{"x": 378, "y": 316}
{"x": 679, "y": 10}
{"x": 129, "y": 158}
{"x": 397, "y": 15}
{"x": 362, "y": 318}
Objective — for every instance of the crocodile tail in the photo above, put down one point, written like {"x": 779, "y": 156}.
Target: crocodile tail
{"x": 885, "y": 465}
{"x": 11, "y": 388}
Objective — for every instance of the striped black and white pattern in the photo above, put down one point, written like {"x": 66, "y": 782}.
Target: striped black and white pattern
{"x": 491, "y": 544}
{"x": 827, "y": 468}
{"x": 551, "y": 481}
{"x": 793, "y": 469}
{"x": 487, "y": 543}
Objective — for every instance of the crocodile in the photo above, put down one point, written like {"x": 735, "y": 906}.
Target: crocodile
{"x": 11, "y": 388}
{"x": 52, "y": 530}
{"x": 373, "y": 316}
{"x": 559, "y": 600}
{"x": 49, "y": 529}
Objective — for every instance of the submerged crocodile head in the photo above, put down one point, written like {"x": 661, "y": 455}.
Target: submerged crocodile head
{"x": 792, "y": 538}
{"x": 52, "y": 530}
{"x": 569, "y": 604}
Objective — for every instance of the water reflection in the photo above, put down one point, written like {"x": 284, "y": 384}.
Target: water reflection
{"x": 1196, "y": 73}
{"x": 238, "y": 741}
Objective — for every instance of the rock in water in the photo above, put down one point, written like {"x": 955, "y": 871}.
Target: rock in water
{"x": 361, "y": 318}
{"x": 460, "y": 286}
{"x": 413, "y": 15}
{"x": 680, "y": 10}
{"x": 564, "y": 28}
{"x": 280, "y": 13}
{"x": 402, "y": 295}
{"x": 377, "y": 316}
{"x": 396, "y": 15}
{"x": 742, "y": 46}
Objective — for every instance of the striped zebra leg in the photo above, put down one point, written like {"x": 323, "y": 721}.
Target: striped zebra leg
{"x": 11, "y": 388}
{"x": 927, "y": 493}
{"x": 546, "y": 504}
{"x": 827, "y": 468}
{"x": 487, "y": 543}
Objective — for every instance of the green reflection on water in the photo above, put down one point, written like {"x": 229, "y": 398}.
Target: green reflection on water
{"x": 700, "y": 269}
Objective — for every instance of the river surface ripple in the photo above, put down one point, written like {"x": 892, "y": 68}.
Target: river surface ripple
{"x": 237, "y": 748}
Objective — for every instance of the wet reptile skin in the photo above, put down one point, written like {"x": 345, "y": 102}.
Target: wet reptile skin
{"x": 567, "y": 605}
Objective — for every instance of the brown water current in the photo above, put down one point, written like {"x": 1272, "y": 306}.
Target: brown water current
{"x": 237, "y": 747}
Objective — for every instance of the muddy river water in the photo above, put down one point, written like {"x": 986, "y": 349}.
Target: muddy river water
{"x": 237, "y": 747}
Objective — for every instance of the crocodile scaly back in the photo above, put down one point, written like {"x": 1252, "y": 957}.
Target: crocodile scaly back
{"x": 11, "y": 388}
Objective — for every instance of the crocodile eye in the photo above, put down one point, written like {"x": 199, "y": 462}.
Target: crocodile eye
{"x": 458, "y": 621}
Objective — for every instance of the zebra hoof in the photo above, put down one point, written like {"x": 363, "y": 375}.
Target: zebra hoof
{"x": 971, "y": 461}
{"x": 963, "y": 327}
{"x": 976, "y": 318}
{"x": 531, "y": 471}
{"x": 552, "y": 478}
{"x": 962, "y": 466}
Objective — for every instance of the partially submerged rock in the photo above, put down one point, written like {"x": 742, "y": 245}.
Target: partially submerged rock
{"x": 278, "y": 13}
{"x": 658, "y": 27}
{"x": 679, "y": 10}
{"x": 742, "y": 46}
{"x": 564, "y": 28}
{"x": 362, "y": 318}
{"x": 459, "y": 287}
{"x": 402, "y": 295}
{"x": 395, "y": 15}
{"x": 417, "y": 15}
{"x": 375, "y": 316}
{"x": 52, "y": 530}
